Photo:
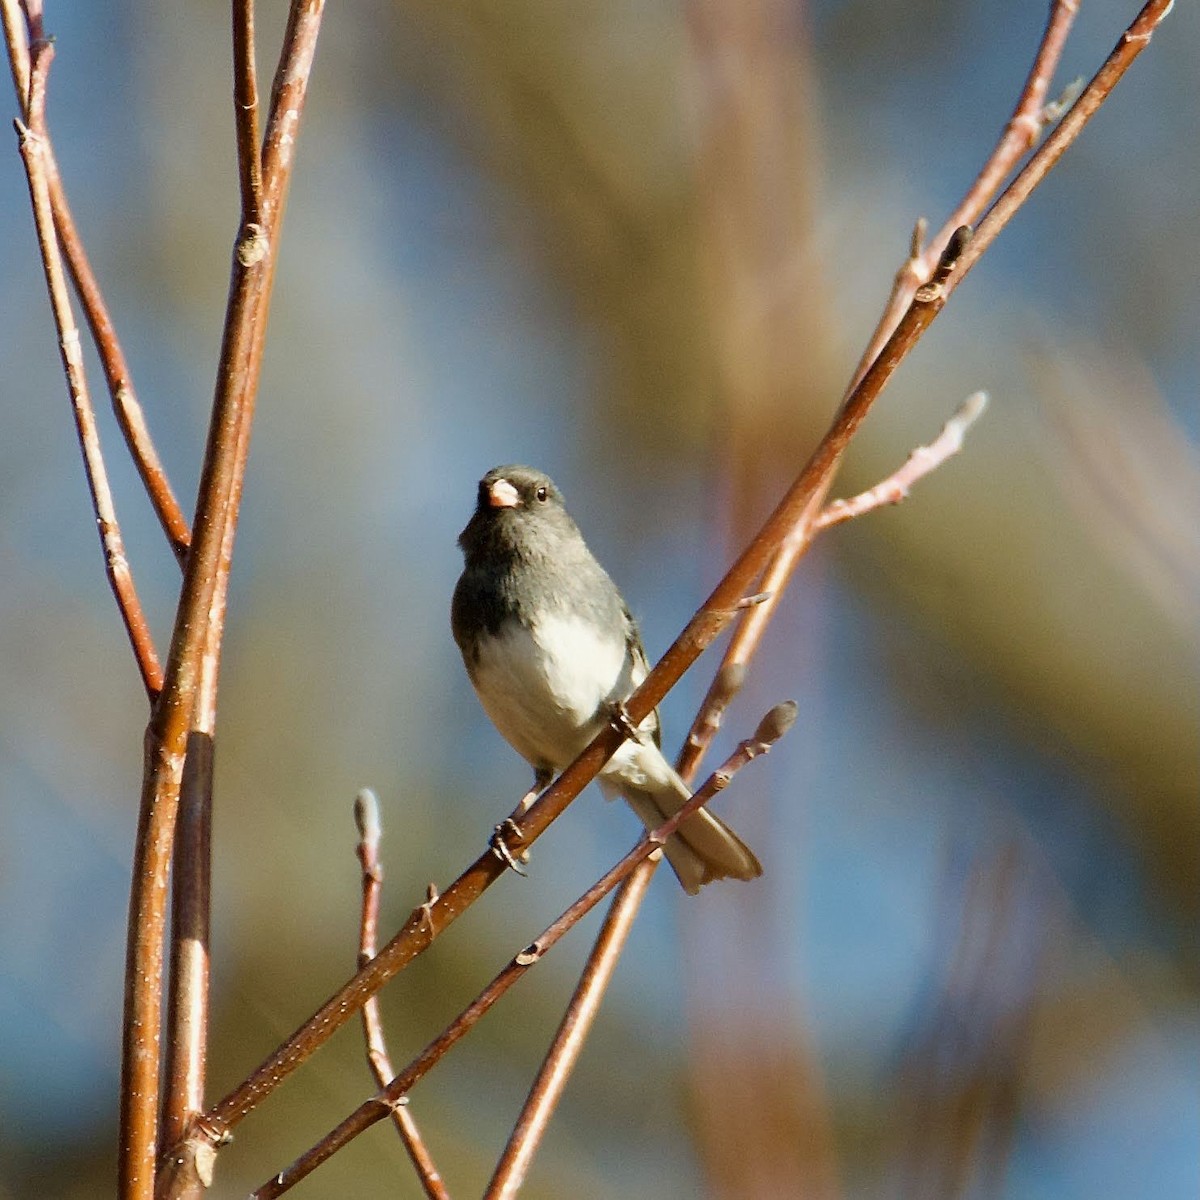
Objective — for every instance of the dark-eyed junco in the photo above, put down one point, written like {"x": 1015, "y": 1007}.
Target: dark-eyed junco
{"x": 552, "y": 650}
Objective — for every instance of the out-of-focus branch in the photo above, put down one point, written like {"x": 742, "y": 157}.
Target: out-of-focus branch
{"x": 130, "y": 417}
{"x": 921, "y": 462}
{"x": 34, "y": 150}
{"x": 771, "y": 728}
{"x": 910, "y": 285}
{"x": 194, "y": 639}
{"x": 366, "y": 818}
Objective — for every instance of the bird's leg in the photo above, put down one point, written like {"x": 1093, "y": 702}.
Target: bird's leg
{"x": 508, "y": 828}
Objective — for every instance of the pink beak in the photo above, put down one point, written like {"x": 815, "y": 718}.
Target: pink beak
{"x": 502, "y": 494}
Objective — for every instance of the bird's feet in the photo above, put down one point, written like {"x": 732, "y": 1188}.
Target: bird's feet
{"x": 508, "y": 828}
{"x": 618, "y": 717}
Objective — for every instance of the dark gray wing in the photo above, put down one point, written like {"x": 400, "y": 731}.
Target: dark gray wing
{"x": 637, "y": 652}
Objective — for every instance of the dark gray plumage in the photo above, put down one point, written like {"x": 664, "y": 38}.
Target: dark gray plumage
{"x": 550, "y": 647}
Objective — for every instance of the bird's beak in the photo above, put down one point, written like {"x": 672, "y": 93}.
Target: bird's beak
{"x": 502, "y": 494}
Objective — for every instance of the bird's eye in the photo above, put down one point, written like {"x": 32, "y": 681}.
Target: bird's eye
{"x": 542, "y": 494}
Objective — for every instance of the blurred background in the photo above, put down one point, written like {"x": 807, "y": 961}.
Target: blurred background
{"x": 641, "y": 246}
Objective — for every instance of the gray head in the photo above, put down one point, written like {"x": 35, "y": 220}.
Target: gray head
{"x": 514, "y": 501}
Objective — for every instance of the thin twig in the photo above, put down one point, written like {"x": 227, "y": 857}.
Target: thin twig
{"x": 130, "y": 417}
{"x": 33, "y": 148}
{"x": 366, "y": 818}
{"x": 429, "y": 921}
{"x": 217, "y": 506}
{"x": 572, "y": 1032}
{"x": 245, "y": 100}
{"x": 1030, "y": 116}
{"x": 921, "y": 462}
{"x": 773, "y": 726}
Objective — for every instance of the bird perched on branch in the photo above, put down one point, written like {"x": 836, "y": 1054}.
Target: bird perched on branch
{"x": 553, "y": 652}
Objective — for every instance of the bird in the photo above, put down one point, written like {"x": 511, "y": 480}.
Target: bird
{"x": 552, "y": 652}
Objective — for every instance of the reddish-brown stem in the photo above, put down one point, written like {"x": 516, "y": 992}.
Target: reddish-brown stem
{"x": 187, "y": 1016}
{"x": 921, "y": 462}
{"x": 428, "y": 921}
{"x": 366, "y": 817}
{"x": 573, "y": 1030}
{"x": 245, "y": 101}
{"x": 33, "y": 154}
{"x": 772, "y": 727}
{"x": 193, "y": 641}
{"x": 129, "y": 414}
{"x": 1029, "y": 118}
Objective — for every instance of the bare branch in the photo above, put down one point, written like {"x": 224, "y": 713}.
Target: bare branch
{"x": 1024, "y": 127}
{"x": 32, "y": 142}
{"x": 770, "y": 729}
{"x": 366, "y": 818}
{"x": 788, "y": 521}
{"x": 573, "y": 1030}
{"x": 921, "y": 462}
{"x": 194, "y": 640}
{"x": 188, "y": 987}
{"x": 129, "y": 414}
{"x": 245, "y": 101}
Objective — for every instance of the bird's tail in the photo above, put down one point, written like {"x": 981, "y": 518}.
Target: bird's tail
{"x": 703, "y": 848}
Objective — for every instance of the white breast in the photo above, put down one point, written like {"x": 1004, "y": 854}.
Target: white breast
{"x": 544, "y": 687}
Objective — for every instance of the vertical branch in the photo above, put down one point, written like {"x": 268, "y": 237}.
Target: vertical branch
{"x": 187, "y": 1016}
{"x": 194, "y": 638}
{"x": 366, "y": 817}
{"x": 33, "y": 153}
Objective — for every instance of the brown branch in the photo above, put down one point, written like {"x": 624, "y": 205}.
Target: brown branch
{"x": 922, "y": 461}
{"x": 1024, "y": 127}
{"x": 193, "y": 640}
{"x": 911, "y": 281}
{"x": 429, "y": 921}
{"x": 573, "y": 1030}
{"x": 772, "y": 727}
{"x": 130, "y": 417}
{"x": 366, "y": 818}
{"x": 188, "y": 986}
{"x": 245, "y": 101}
{"x": 32, "y": 142}
{"x": 1131, "y": 43}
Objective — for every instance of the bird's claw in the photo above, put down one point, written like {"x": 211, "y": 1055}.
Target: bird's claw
{"x": 500, "y": 848}
{"x": 619, "y": 718}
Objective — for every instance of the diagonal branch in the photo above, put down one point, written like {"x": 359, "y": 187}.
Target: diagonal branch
{"x": 429, "y": 921}
{"x": 771, "y": 728}
{"x": 922, "y": 461}
{"x": 1030, "y": 117}
{"x": 130, "y": 417}
{"x": 34, "y": 151}
{"x": 572, "y": 1032}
